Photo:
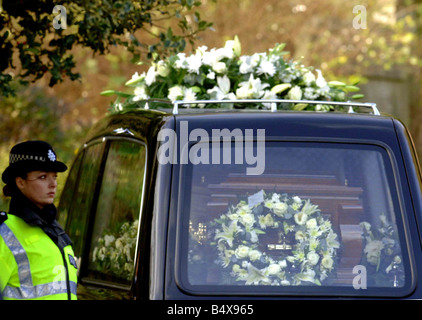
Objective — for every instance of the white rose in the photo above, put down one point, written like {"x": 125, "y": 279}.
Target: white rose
{"x": 248, "y": 220}
{"x": 295, "y": 93}
{"x": 242, "y": 252}
{"x": 301, "y": 218}
{"x": 254, "y": 255}
{"x": 242, "y": 92}
{"x": 327, "y": 262}
{"x": 268, "y": 220}
{"x": 297, "y": 200}
{"x": 273, "y": 268}
{"x": 163, "y": 69}
{"x": 280, "y": 208}
{"x": 308, "y": 77}
{"x": 313, "y": 257}
{"x": 219, "y": 67}
{"x": 236, "y": 268}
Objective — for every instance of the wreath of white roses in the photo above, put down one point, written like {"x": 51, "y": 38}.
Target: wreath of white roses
{"x": 310, "y": 256}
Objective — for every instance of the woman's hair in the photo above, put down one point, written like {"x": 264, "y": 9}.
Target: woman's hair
{"x": 10, "y": 189}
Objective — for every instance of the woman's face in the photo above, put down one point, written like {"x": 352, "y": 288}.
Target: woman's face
{"x": 39, "y": 187}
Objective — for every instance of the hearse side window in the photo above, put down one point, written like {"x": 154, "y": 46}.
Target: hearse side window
{"x": 115, "y": 229}
{"x": 76, "y": 200}
{"x": 324, "y": 216}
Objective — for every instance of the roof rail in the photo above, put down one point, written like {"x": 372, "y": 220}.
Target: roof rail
{"x": 273, "y": 103}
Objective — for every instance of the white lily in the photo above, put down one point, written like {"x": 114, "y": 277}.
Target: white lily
{"x": 253, "y": 88}
{"x": 222, "y": 90}
{"x": 309, "y": 208}
{"x": 308, "y": 275}
{"x": 331, "y": 240}
{"x": 320, "y": 81}
{"x": 135, "y": 79}
{"x": 151, "y": 76}
{"x": 228, "y": 233}
{"x": 255, "y": 276}
{"x": 232, "y": 48}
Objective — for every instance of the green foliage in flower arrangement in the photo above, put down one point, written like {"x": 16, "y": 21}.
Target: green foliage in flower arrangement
{"x": 223, "y": 73}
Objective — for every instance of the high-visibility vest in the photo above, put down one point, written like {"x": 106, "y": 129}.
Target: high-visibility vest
{"x": 32, "y": 266}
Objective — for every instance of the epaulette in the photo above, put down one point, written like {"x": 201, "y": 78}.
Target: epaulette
{"x": 3, "y": 216}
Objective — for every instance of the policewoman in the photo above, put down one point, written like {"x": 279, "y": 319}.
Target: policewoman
{"x": 36, "y": 257}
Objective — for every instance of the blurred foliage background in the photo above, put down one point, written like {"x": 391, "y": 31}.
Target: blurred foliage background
{"x": 376, "y": 42}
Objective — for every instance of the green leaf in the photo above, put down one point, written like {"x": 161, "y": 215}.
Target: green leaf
{"x": 358, "y": 96}
{"x": 196, "y": 89}
{"x": 132, "y": 82}
{"x": 300, "y": 106}
{"x": 114, "y": 92}
{"x": 280, "y": 88}
{"x": 352, "y": 88}
{"x": 259, "y": 231}
{"x": 336, "y": 84}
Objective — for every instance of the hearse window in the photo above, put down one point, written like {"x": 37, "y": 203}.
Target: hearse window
{"x": 324, "y": 216}
{"x": 76, "y": 200}
{"x": 115, "y": 230}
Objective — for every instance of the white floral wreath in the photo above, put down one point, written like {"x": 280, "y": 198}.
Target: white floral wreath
{"x": 310, "y": 259}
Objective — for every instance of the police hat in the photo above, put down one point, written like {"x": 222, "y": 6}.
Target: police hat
{"x": 31, "y": 156}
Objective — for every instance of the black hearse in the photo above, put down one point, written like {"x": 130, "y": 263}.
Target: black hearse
{"x": 187, "y": 203}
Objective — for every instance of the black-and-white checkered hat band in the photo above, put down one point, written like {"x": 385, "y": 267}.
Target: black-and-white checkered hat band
{"x": 13, "y": 158}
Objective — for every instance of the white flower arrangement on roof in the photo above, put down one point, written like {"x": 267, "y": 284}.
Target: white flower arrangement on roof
{"x": 305, "y": 249}
{"x": 223, "y": 73}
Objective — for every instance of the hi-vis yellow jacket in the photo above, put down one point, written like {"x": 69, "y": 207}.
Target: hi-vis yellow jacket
{"x": 32, "y": 266}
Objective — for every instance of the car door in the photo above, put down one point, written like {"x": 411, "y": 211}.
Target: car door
{"x": 101, "y": 208}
